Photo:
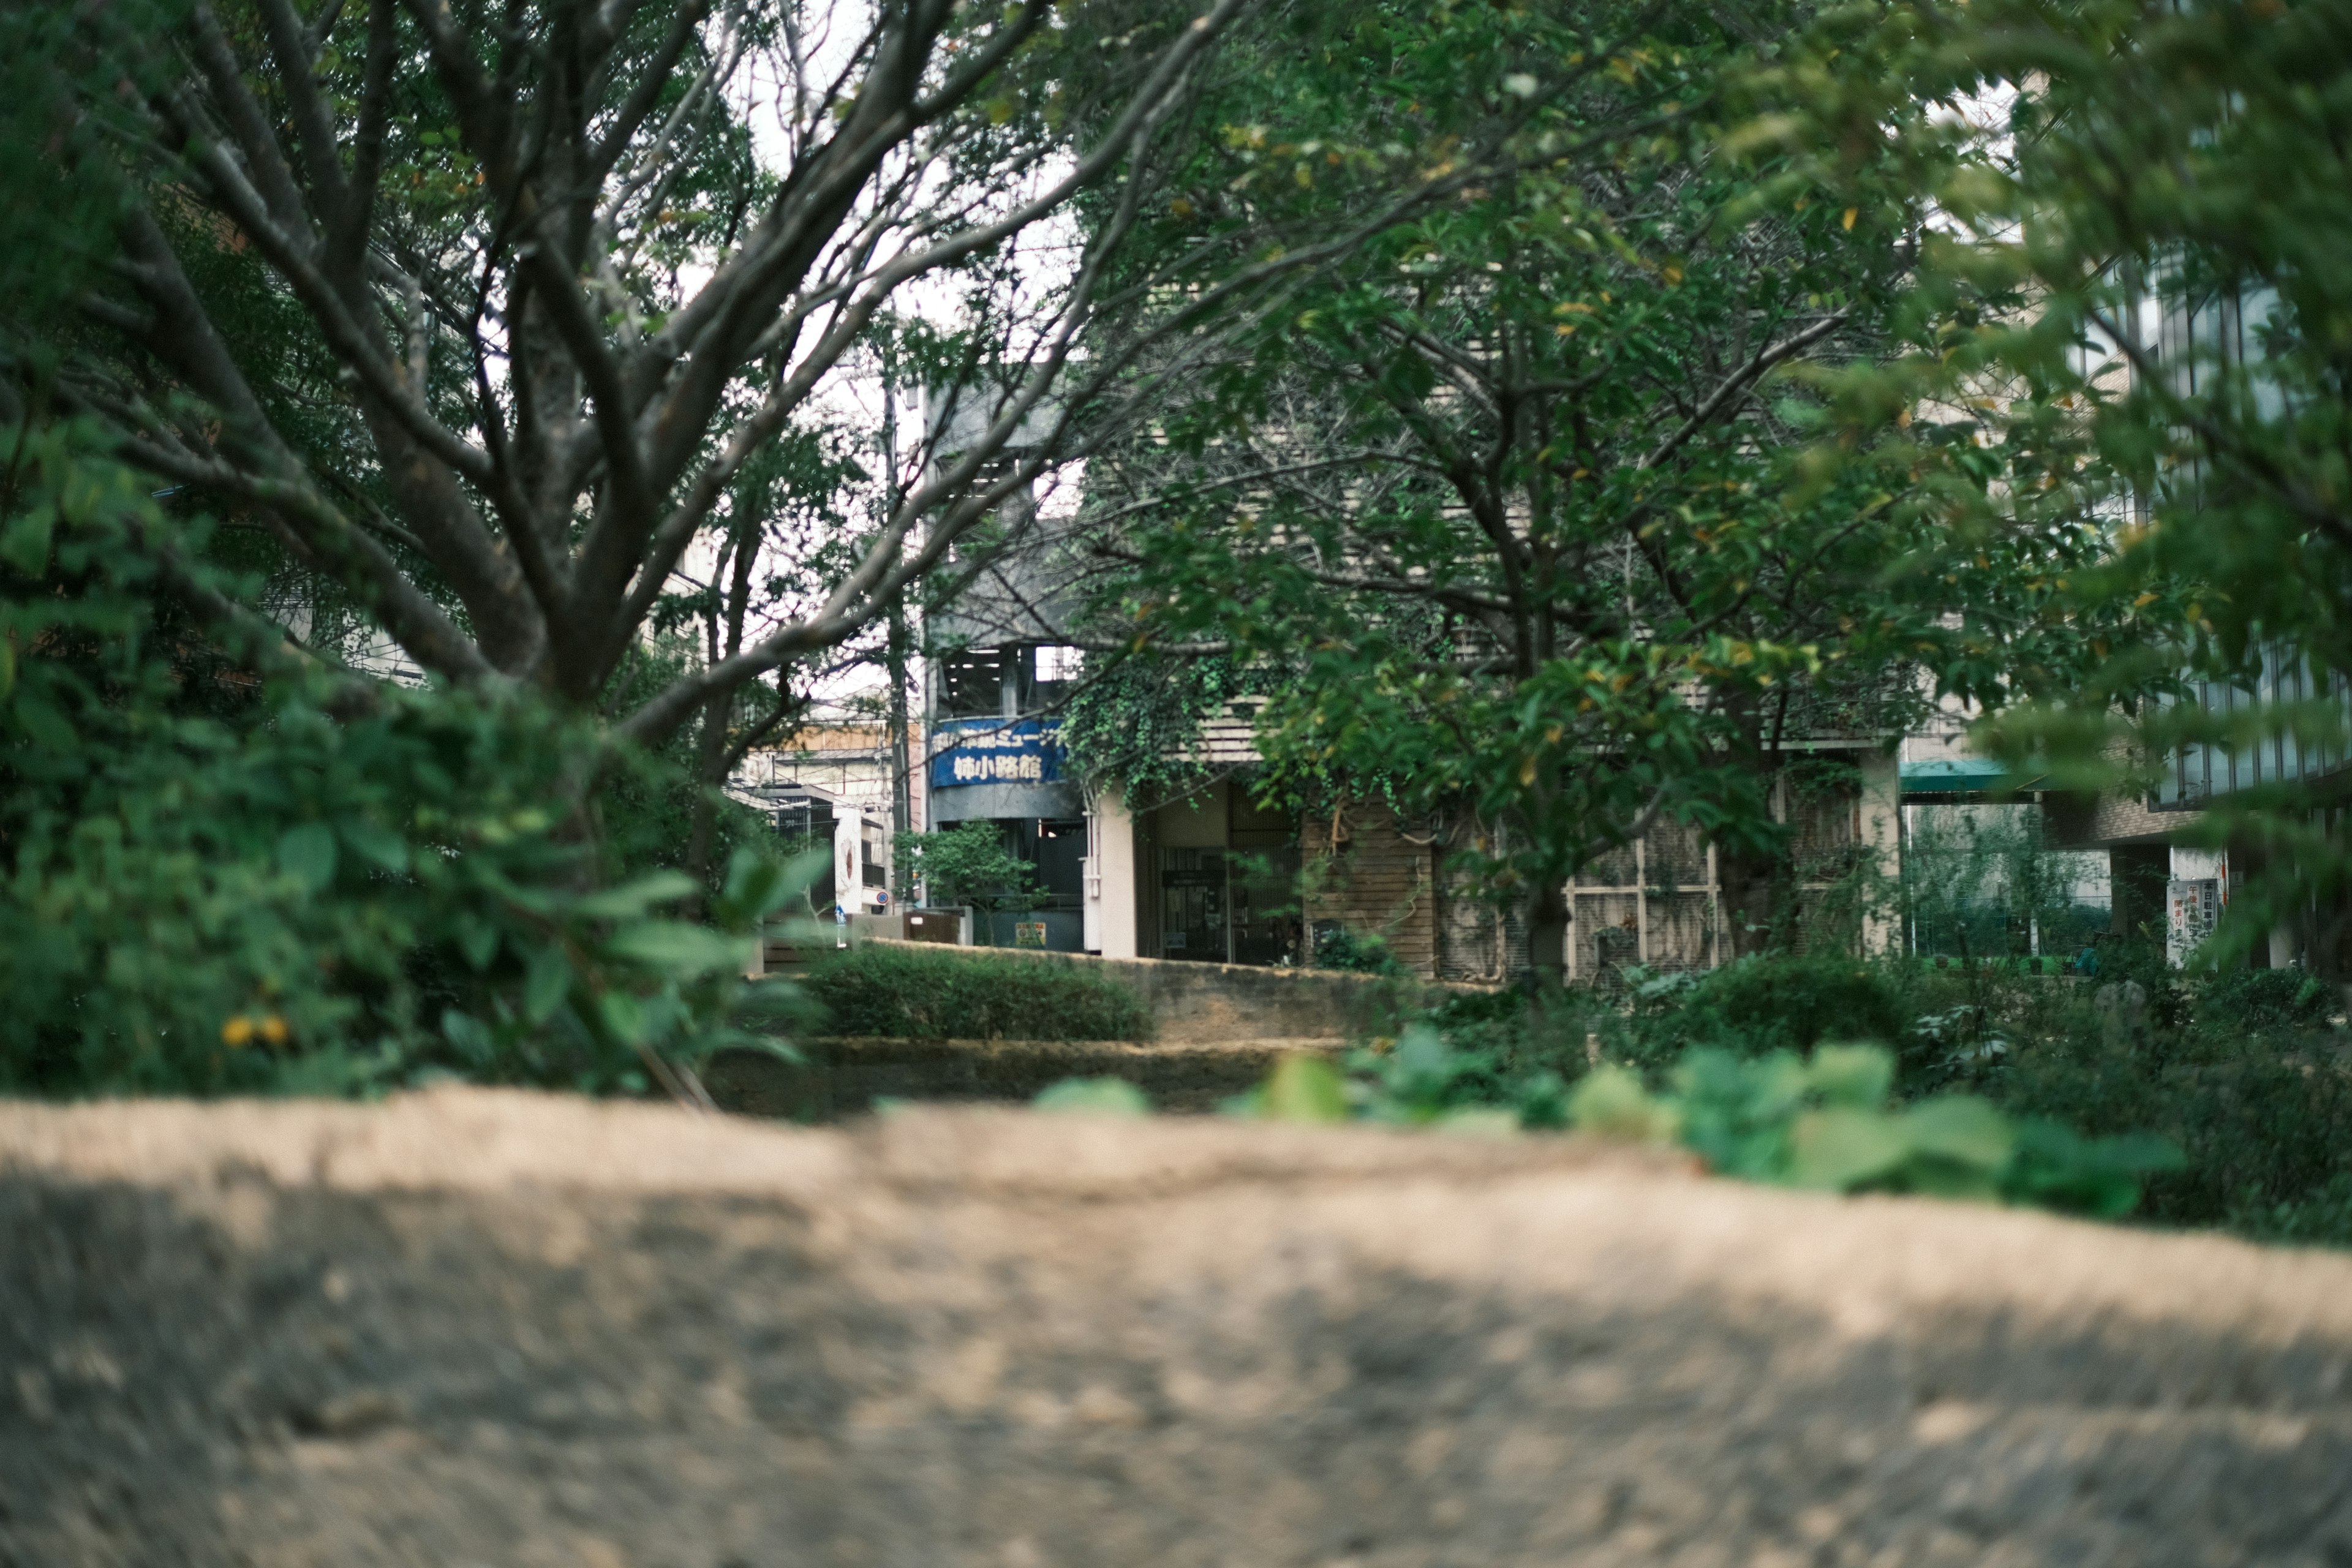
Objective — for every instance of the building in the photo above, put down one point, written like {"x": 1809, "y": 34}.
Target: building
{"x": 830, "y": 775}
{"x": 1215, "y": 878}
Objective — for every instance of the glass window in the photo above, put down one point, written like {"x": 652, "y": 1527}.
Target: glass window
{"x": 971, "y": 684}
{"x": 1048, "y": 670}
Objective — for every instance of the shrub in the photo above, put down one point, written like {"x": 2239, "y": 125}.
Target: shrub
{"x": 1827, "y": 1123}
{"x": 1355, "y": 952}
{"x": 2262, "y": 1121}
{"x": 229, "y": 870}
{"x": 968, "y": 864}
{"x": 2253, "y": 999}
{"x": 903, "y": 993}
{"x": 2322, "y": 1217}
{"x": 1794, "y": 1002}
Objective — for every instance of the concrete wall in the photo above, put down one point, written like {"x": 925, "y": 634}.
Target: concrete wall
{"x": 468, "y": 1327}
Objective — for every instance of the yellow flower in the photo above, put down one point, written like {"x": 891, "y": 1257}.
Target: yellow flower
{"x": 273, "y": 1029}
{"x": 236, "y": 1031}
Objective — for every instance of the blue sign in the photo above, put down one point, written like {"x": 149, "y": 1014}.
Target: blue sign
{"x": 998, "y": 750}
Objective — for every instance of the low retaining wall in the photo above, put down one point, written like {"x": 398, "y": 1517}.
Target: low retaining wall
{"x": 834, "y": 1079}
{"x": 475, "y": 1328}
{"x": 1215, "y": 1003}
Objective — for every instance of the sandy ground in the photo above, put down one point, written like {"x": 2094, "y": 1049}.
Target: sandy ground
{"x": 477, "y": 1329}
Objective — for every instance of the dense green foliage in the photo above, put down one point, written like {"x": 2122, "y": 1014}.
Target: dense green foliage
{"x": 968, "y": 864}
{"x": 2237, "y": 1114}
{"x": 1136, "y": 723}
{"x": 228, "y": 875}
{"x": 2164, "y": 184}
{"x": 1516, "y": 502}
{"x": 925, "y": 993}
{"x": 1822, "y": 1122}
{"x": 2242, "y": 1072}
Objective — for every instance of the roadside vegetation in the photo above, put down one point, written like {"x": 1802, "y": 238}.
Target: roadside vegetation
{"x": 913, "y": 992}
{"x": 2221, "y": 1101}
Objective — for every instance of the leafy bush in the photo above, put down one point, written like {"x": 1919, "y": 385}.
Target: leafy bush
{"x": 1355, "y": 952}
{"x": 968, "y": 864}
{"x": 1794, "y": 1002}
{"x": 2262, "y": 1121}
{"x": 2322, "y": 1217}
{"x": 254, "y": 873}
{"x": 913, "y": 992}
{"x": 1828, "y": 1122}
{"x": 2251, "y": 999}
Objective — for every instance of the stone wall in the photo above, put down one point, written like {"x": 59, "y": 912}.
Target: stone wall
{"x": 469, "y": 1328}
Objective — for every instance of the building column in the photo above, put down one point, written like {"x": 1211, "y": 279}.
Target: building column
{"x": 1111, "y": 886}
{"x": 1881, "y": 822}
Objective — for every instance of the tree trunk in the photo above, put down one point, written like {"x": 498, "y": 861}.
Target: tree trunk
{"x": 1548, "y": 921}
{"x": 709, "y": 758}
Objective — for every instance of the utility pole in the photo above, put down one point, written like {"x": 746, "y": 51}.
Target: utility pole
{"x": 895, "y": 659}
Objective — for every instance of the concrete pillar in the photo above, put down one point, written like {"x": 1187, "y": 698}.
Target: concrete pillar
{"x": 1882, "y": 839}
{"x": 1111, "y": 884}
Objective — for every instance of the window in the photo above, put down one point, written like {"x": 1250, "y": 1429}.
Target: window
{"x": 971, "y": 684}
{"x": 1048, "y": 670}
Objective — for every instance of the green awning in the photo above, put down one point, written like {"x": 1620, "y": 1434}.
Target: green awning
{"x": 1959, "y": 775}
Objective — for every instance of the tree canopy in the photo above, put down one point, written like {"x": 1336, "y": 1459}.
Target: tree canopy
{"x": 1525, "y": 492}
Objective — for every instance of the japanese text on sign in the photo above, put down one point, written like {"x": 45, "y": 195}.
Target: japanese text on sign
{"x": 999, "y": 750}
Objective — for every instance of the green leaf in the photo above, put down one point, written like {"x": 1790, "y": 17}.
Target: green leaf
{"x": 376, "y": 843}
{"x": 1855, "y": 1076}
{"x": 469, "y": 1034}
{"x": 550, "y": 977}
{"x": 1303, "y": 1088}
{"x": 1611, "y": 1102}
{"x": 306, "y": 854}
{"x": 26, "y": 543}
{"x": 46, "y": 728}
{"x": 623, "y": 1016}
{"x": 1094, "y": 1097}
{"x": 1839, "y": 1149}
{"x": 677, "y": 948}
{"x": 478, "y": 940}
{"x": 1962, "y": 1129}
{"x": 632, "y": 898}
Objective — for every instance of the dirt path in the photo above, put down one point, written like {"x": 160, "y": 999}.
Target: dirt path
{"x": 470, "y": 1329}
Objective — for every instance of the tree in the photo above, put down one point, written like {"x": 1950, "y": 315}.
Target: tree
{"x": 1523, "y": 492}
{"x": 336, "y": 337}
{"x": 968, "y": 864}
{"x": 2161, "y": 193}
{"x": 485, "y": 314}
